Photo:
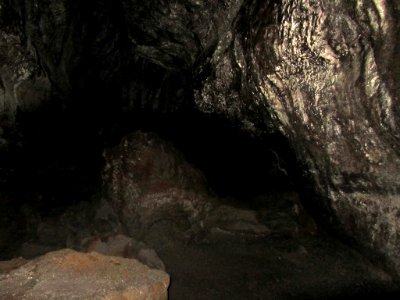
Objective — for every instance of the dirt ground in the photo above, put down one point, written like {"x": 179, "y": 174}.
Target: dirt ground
{"x": 305, "y": 268}
{"x": 296, "y": 260}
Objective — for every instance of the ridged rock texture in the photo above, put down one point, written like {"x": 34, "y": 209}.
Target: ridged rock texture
{"x": 324, "y": 73}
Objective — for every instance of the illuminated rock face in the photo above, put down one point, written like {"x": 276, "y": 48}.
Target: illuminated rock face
{"x": 324, "y": 73}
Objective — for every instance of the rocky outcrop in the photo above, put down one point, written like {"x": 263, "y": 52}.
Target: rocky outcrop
{"x": 149, "y": 184}
{"x": 324, "y": 73}
{"x": 67, "y": 274}
{"x": 160, "y": 198}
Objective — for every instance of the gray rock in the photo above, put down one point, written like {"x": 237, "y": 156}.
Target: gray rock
{"x": 23, "y": 85}
{"x": 235, "y": 221}
{"x": 123, "y": 246}
{"x": 150, "y": 258}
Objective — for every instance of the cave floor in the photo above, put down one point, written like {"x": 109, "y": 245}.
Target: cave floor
{"x": 277, "y": 268}
{"x": 293, "y": 260}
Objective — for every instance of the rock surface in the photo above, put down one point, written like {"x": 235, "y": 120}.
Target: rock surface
{"x": 67, "y": 274}
{"x": 90, "y": 227}
{"x": 233, "y": 220}
{"x": 123, "y": 246}
{"x": 147, "y": 182}
{"x": 326, "y": 73}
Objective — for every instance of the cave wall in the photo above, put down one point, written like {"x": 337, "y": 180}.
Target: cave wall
{"x": 324, "y": 73}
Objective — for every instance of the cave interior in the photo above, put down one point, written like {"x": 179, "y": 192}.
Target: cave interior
{"x": 52, "y": 160}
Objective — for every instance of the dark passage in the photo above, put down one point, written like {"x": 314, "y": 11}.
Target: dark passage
{"x": 58, "y": 158}
{"x": 236, "y": 164}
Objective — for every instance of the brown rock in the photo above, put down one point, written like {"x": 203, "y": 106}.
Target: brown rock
{"x": 67, "y": 274}
{"x": 147, "y": 181}
{"x": 9, "y": 265}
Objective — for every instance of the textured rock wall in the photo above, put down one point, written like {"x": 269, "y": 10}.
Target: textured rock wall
{"x": 145, "y": 52}
{"x": 322, "y": 72}
{"x": 326, "y": 72}
{"x": 22, "y": 83}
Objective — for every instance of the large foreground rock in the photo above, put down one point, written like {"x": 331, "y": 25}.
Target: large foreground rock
{"x": 67, "y": 274}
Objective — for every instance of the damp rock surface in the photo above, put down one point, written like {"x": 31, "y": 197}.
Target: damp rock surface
{"x": 67, "y": 274}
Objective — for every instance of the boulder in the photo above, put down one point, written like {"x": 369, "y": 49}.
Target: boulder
{"x": 147, "y": 181}
{"x": 67, "y": 274}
